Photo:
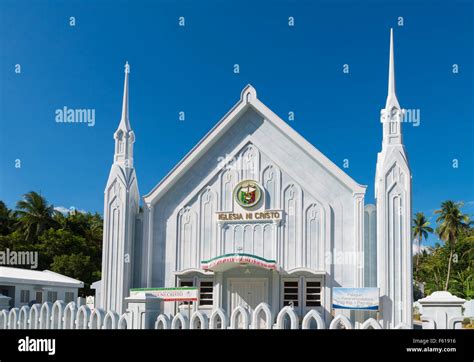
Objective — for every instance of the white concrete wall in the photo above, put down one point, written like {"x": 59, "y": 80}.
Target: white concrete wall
{"x": 61, "y": 292}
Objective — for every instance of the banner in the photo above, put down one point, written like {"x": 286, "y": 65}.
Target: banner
{"x": 222, "y": 262}
{"x": 184, "y": 294}
{"x": 355, "y": 298}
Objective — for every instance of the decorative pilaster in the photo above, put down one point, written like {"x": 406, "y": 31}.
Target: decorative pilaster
{"x": 359, "y": 238}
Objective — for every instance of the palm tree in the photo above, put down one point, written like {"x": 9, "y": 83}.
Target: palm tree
{"x": 35, "y": 215}
{"x": 421, "y": 229}
{"x": 450, "y": 223}
{"x": 7, "y": 219}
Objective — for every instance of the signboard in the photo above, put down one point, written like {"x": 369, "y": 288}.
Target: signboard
{"x": 269, "y": 215}
{"x": 355, "y": 298}
{"x": 223, "y": 262}
{"x": 249, "y": 206}
{"x": 184, "y": 294}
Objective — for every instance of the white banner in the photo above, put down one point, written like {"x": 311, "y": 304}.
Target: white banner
{"x": 355, "y": 298}
{"x": 186, "y": 294}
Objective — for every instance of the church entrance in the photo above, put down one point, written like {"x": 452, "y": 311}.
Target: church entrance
{"x": 247, "y": 292}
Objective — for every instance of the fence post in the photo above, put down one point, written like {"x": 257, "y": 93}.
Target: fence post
{"x": 441, "y": 307}
{"x": 143, "y": 309}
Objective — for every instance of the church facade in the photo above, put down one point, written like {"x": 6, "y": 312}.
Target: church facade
{"x": 255, "y": 213}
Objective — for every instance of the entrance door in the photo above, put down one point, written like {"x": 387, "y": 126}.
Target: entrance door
{"x": 247, "y": 292}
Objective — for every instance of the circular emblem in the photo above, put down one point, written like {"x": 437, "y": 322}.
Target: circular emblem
{"x": 247, "y": 193}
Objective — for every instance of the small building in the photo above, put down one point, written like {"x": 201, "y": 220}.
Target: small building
{"x": 26, "y": 286}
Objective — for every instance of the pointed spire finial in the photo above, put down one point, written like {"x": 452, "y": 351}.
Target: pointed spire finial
{"x": 124, "y": 121}
{"x": 391, "y": 96}
{"x": 391, "y": 67}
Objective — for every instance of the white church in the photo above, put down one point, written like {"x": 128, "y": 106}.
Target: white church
{"x": 255, "y": 213}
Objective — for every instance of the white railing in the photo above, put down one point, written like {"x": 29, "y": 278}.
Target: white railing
{"x": 61, "y": 316}
{"x": 260, "y": 318}
{"x": 70, "y": 316}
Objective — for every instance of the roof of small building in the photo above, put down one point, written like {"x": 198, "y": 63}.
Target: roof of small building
{"x": 45, "y": 277}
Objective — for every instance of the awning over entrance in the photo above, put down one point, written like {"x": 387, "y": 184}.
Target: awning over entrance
{"x": 229, "y": 261}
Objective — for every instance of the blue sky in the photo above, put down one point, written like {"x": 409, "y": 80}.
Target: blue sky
{"x": 190, "y": 69}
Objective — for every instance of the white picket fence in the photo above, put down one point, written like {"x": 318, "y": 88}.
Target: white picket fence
{"x": 62, "y": 316}
{"x": 260, "y": 318}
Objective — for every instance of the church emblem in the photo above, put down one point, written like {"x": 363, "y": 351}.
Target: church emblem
{"x": 247, "y": 193}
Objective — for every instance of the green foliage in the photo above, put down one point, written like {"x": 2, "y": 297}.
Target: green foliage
{"x": 68, "y": 244}
{"x": 79, "y": 265}
{"x": 7, "y": 219}
{"x": 421, "y": 228}
{"x": 451, "y": 225}
{"x": 434, "y": 263}
{"x": 34, "y": 215}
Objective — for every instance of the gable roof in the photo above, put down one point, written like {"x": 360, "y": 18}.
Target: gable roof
{"x": 45, "y": 277}
{"x": 248, "y": 98}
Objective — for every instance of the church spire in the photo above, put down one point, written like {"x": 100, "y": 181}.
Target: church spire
{"x": 393, "y": 216}
{"x": 121, "y": 207}
{"x": 392, "y": 100}
{"x": 124, "y": 121}
{"x": 124, "y": 136}
{"x": 392, "y": 115}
